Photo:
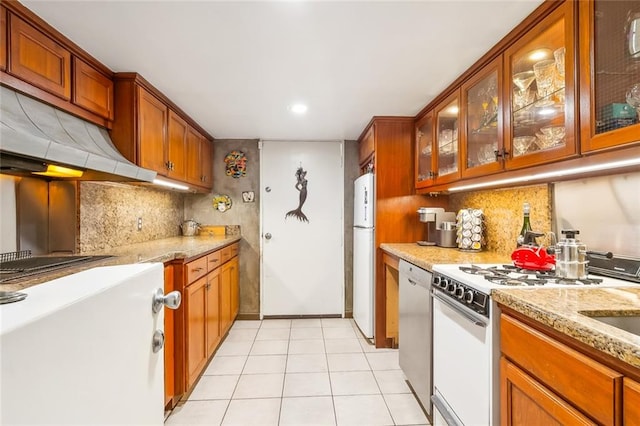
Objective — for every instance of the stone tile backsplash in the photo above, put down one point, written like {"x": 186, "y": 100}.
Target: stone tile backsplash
{"x": 109, "y": 214}
{"x": 503, "y": 213}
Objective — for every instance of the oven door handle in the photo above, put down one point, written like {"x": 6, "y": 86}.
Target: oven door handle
{"x": 477, "y": 320}
{"x": 445, "y": 411}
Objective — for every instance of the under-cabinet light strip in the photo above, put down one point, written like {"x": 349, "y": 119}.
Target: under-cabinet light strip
{"x": 548, "y": 175}
{"x": 170, "y": 184}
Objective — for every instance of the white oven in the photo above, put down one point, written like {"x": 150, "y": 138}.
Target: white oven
{"x": 466, "y": 337}
{"x": 465, "y": 372}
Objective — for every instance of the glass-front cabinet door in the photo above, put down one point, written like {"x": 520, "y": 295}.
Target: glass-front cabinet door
{"x": 481, "y": 144}
{"x": 425, "y": 171}
{"x": 447, "y": 117}
{"x": 540, "y": 86}
{"x": 610, "y": 43}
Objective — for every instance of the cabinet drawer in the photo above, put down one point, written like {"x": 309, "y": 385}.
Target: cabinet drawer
{"x": 589, "y": 385}
{"x": 235, "y": 248}
{"x": 213, "y": 260}
{"x": 196, "y": 269}
{"x": 225, "y": 254}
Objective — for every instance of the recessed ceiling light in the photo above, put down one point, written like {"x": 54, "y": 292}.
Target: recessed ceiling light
{"x": 298, "y": 108}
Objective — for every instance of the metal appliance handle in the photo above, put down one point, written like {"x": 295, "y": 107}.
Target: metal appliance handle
{"x": 444, "y": 410}
{"x": 171, "y": 300}
{"x": 466, "y": 315}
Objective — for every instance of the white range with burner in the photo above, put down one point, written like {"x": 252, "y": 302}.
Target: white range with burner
{"x": 466, "y": 336}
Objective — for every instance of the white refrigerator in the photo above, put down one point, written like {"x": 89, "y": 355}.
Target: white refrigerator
{"x": 364, "y": 253}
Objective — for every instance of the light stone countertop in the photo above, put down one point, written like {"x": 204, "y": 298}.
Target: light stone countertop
{"x": 559, "y": 308}
{"x": 162, "y": 250}
{"x": 427, "y": 256}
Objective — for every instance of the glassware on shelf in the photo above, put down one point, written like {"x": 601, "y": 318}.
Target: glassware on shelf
{"x": 559, "y": 54}
{"x": 522, "y": 80}
{"x": 521, "y": 144}
{"x": 633, "y": 97}
{"x": 545, "y": 72}
{"x": 486, "y": 154}
{"x": 556, "y": 133}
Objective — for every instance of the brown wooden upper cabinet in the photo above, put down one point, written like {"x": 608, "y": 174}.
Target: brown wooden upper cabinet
{"x": 177, "y": 147}
{"x": 3, "y": 40}
{"x": 148, "y": 131}
{"x": 367, "y": 150}
{"x": 447, "y": 142}
{"x": 92, "y": 90}
{"x": 152, "y": 124}
{"x": 38, "y": 59}
{"x": 199, "y": 159}
{"x": 539, "y": 80}
{"x": 425, "y": 160}
{"x": 610, "y": 73}
{"x": 482, "y": 142}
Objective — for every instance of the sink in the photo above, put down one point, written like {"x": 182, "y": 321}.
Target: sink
{"x": 628, "y": 323}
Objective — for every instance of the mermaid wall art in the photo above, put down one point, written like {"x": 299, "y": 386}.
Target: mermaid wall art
{"x": 301, "y": 186}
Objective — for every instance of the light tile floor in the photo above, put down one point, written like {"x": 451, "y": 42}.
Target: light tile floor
{"x": 300, "y": 372}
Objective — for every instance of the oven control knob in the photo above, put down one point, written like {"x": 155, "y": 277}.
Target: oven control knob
{"x": 459, "y": 293}
{"x": 468, "y": 296}
{"x": 436, "y": 280}
{"x": 443, "y": 283}
{"x": 451, "y": 288}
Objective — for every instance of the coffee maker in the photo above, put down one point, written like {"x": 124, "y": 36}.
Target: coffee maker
{"x": 441, "y": 227}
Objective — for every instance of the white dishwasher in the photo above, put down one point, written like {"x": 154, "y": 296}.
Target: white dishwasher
{"x": 415, "y": 330}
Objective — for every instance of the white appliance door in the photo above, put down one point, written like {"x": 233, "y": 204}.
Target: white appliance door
{"x": 461, "y": 364}
{"x": 364, "y": 201}
{"x": 78, "y": 350}
{"x": 302, "y": 228}
{"x": 363, "y": 279}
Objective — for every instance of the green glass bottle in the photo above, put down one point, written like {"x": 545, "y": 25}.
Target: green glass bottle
{"x": 526, "y": 224}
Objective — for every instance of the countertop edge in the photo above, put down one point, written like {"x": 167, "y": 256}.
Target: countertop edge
{"x": 162, "y": 251}
{"x": 619, "y": 344}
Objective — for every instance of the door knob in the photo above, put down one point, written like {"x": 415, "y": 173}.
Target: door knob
{"x": 267, "y": 236}
{"x": 158, "y": 341}
{"x": 171, "y": 300}
{"x": 268, "y": 189}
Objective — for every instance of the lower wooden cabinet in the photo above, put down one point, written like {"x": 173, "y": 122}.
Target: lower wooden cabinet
{"x": 631, "y": 402}
{"x": 544, "y": 381}
{"x": 213, "y": 311}
{"x": 211, "y": 299}
{"x": 524, "y": 401}
{"x": 196, "y": 329}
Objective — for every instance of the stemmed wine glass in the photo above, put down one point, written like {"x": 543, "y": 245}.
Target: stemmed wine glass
{"x": 523, "y": 80}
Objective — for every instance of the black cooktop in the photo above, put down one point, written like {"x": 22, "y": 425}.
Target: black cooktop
{"x": 14, "y": 269}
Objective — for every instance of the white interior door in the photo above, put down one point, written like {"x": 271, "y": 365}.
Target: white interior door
{"x": 302, "y": 208}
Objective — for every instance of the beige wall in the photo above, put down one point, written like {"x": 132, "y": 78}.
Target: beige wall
{"x": 200, "y": 208}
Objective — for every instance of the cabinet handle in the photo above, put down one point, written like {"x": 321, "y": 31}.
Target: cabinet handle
{"x": 432, "y": 174}
{"x": 168, "y": 165}
{"x": 214, "y": 260}
{"x": 198, "y": 269}
{"x": 502, "y": 153}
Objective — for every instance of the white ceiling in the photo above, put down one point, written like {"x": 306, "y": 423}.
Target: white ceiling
{"x": 236, "y": 66}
